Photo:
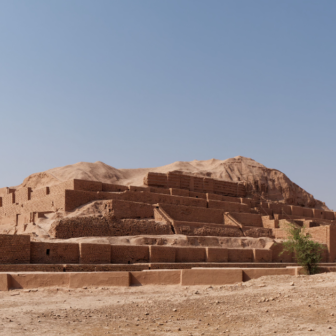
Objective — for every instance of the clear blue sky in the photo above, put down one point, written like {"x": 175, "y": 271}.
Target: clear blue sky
{"x": 146, "y": 83}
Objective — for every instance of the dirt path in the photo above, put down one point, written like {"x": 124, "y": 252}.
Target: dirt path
{"x": 264, "y": 306}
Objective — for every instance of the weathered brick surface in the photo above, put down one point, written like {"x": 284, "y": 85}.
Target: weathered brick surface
{"x": 14, "y": 249}
{"x": 162, "y": 253}
{"x": 193, "y": 214}
{"x": 229, "y": 206}
{"x": 262, "y": 255}
{"x": 95, "y": 253}
{"x": 190, "y": 254}
{"x": 31, "y": 268}
{"x": 214, "y": 254}
{"x": 240, "y": 255}
{"x": 256, "y": 232}
{"x": 129, "y": 254}
{"x": 106, "y": 227}
{"x": 125, "y": 209}
{"x": 54, "y": 253}
{"x": 195, "y": 183}
{"x": 247, "y": 219}
{"x": 279, "y": 255}
{"x": 206, "y": 229}
{"x": 114, "y": 187}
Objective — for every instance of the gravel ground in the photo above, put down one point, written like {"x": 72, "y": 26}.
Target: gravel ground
{"x": 304, "y": 305}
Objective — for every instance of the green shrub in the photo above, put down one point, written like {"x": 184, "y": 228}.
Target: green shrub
{"x": 308, "y": 253}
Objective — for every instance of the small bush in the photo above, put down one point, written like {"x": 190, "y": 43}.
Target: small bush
{"x": 308, "y": 253}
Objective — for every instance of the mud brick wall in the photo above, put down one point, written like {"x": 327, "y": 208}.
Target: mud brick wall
{"x": 8, "y": 199}
{"x": 206, "y": 229}
{"x": 165, "y": 191}
{"x": 280, "y": 233}
{"x": 229, "y": 206}
{"x": 129, "y": 254}
{"x": 95, "y": 253}
{"x": 8, "y": 220}
{"x": 14, "y": 249}
{"x": 215, "y": 197}
{"x": 125, "y": 209}
{"x": 307, "y": 212}
{"x": 197, "y": 194}
{"x": 30, "y": 268}
{"x": 229, "y": 188}
{"x": 156, "y": 180}
{"x": 48, "y": 203}
{"x": 215, "y": 254}
{"x": 113, "y": 187}
{"x": 195, "y": 183}
{"x": 190, "y": 254}
{"x": 279, "y": 255}
{"x": 76, "y": 198}
{"x": 152, "y": 198}
{"x": 329, "y": 215}
{"x": 297, "y": 211}
{"x": 39, "y": 193}
{"x": 22, "y": 195}
{"x": 136, "y": 188}
{"x": 179, "y": 192}
{"x": 319, "y": 233}
{"x": 59, "y": 188}
{"x": 24, "y": 219}
{"x": 193, "y": 214}
{"x": 198, "y": 184}
{"x": 162, "y": 253}
{"x": 240, "y": 255}
{"x": 332, "y": 243}
{"x": 186, "y": 182}
{"x": 325, "y": 235}
{"x": 247, "y": 219}
{"x": 279, "y": 208}
{"x": 269, "y": 223}
{"x": 174, "y": 180}
{"x": 208, "y": 185}
{"x": 262, "y": 255}
{"x": 318, "y": 213}
{"x": 87, "y": 185}
{"x": 107, "y": 226}
{"x": 54, "y": 253}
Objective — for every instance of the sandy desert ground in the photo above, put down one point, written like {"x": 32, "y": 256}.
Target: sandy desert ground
{"x": 303, "y": 305}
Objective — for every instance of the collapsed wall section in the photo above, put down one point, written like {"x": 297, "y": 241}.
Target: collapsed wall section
{"x": 107, "y": 226}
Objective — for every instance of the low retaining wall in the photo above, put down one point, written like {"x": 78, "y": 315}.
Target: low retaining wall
{"x": 184, "y": 277}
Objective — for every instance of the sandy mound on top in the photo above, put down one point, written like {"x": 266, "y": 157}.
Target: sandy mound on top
{"x": 271, "y": 184}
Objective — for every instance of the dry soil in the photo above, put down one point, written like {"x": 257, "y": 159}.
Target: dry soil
{"x": 303, "y": 305}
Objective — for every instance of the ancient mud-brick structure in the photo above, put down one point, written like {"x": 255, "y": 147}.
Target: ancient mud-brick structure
{"x": 168, "y": 204}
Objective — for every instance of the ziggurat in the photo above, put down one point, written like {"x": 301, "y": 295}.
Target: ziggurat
{"x": 222, "y": 225}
